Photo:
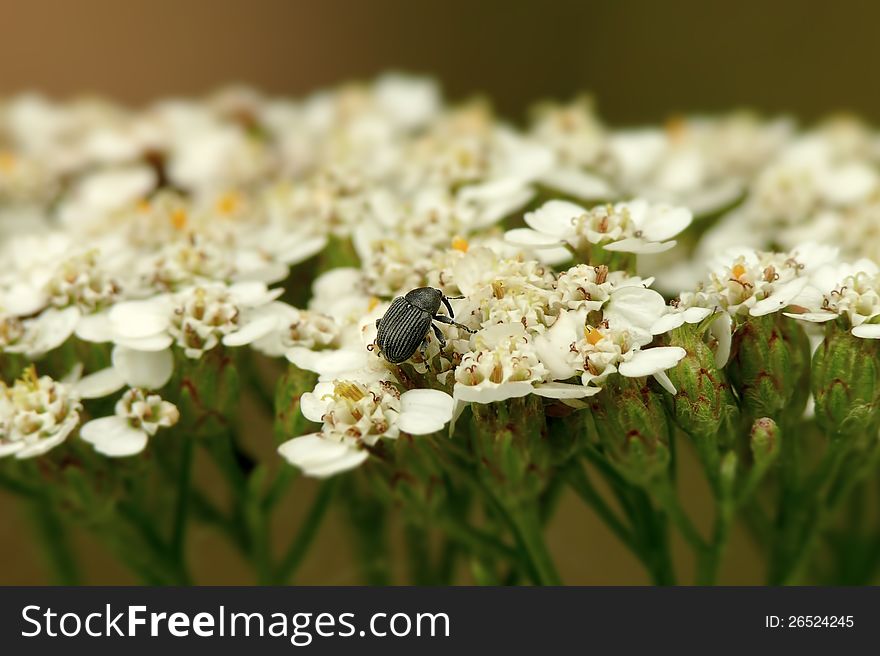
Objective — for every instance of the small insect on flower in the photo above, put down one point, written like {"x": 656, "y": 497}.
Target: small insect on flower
{"x": 405, "y": 325}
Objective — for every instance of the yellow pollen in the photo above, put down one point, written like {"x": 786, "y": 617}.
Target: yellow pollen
{"x": 228, "y": 203}
{"x": 143, "y": 205}
{"x": 738, "y": 271}
{"x": 460, "y": 244}
{"x": 593, "y": 335}
{"x": 374, "y": 301}
{"x": 179, "y": 219}
{"x": 347, "y": 390}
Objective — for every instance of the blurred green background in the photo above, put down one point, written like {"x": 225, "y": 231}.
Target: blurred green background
{"x": 641, "y": 60}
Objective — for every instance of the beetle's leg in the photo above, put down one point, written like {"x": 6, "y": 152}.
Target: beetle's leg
{"x": 448, "y": 306}
{"x": 444, "y": 319}
{"x": 439, "y": 335}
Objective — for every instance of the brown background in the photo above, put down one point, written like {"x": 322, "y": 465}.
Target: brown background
{"x": 642, "y": 60}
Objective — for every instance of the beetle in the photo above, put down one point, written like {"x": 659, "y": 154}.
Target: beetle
{"x": 405, "y": 325}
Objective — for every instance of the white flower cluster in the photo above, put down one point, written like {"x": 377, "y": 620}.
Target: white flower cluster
{"x": 172, "y": 232}
{"x": 36, "y": 415}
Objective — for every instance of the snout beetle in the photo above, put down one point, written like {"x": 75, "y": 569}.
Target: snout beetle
{"x": 405, "y": 325}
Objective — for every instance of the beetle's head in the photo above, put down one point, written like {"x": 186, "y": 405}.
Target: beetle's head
{"x": 425, "y": 298}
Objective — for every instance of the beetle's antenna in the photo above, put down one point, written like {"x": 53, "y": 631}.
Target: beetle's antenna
{"x": 449, "y": 305}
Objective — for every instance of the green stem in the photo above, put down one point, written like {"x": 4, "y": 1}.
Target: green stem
{"x": 307, "y": 532}
{"x": 181, "y": 511}
{"x": 649, "y": 526}
{"x": 418, "y": 554}
{"x": 53, "y": 539}
{"x": 709, "y": 562}
{"x": 482, "y": 544}
{"x": 527, "y": 528}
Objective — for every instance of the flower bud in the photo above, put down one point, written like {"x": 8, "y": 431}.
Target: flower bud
{"x": 208, "y": 392}
{"x": 846, "y": 383}
{"x": 764, "y": 441}
{"x": 769, "y": 367}
{"x": 704, "y": 405}
{"x": 508, "y": 444}
{"x": 632, "y": 428}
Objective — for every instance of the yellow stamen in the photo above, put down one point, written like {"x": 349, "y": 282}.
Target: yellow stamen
{"x": 143, "y": 205}
{"x": 348, "y": 390}
{"x": 374, "y": 301}
{"x": 738, "y": 271}
{"x": 593, "y": 335}
{"x": 460, "y": 244}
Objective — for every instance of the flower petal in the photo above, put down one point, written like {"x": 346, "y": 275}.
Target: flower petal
{"x": 812, "y": 317}
{"x": 320, "y": 457}
{"x": 149, "y": 369}
{"x": 331, "y": 364}
{"x": 634, "y": 306}
{"x": 424, "y": 411}
{"x": 650, "y": 361}
{"x": 663, "y": 378}
{"x": 637, "y": 245}
{"x": 667, "y": 322}
{"x": 314, "y": 404}
{"x": 138, "y": 319}
{"x": 664, "y": 222}
{"x": 490, "y": 393}
{"x": 114, "y": 437}
{"x": 565, "y": 391}
{"x": 252, "y": 331}
{"x": 95, "y": 328}
{"x": 867, "y": 331}
{"x": 531, "y": 238}
{"x": 99, "y": 384}
{"x": 780, "y": 297}
{"x": 554, "y": 217}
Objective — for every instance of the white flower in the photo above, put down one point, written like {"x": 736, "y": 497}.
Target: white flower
{"x": 633, "y": 227}
{"x": 845, "y": 290}
{"x": 139, "y": 415}
{"x": 39, "y": 335}
{"x": 36, "y": 415}
{"x": 572, "y": 347}
{"x": 357, "y": 415}
{"x": 504, "y": 365}
{"x": 756, "y": 283}
{"x": 197, "y": 319}
{"x": 80, "y": 282}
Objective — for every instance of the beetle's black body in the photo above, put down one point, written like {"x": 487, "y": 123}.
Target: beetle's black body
{"x": 409, "y": 318}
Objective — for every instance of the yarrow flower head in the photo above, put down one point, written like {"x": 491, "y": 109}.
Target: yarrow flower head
{"x": 139, "y": 415}
{"x": 634, "y": 227}
{"x": 36, "y": 415}
{"x": 80, "y": 282}
{"x": 746, "y": 282}
{"x": 355, "y": 417}
{"x": 851, "y": 291}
